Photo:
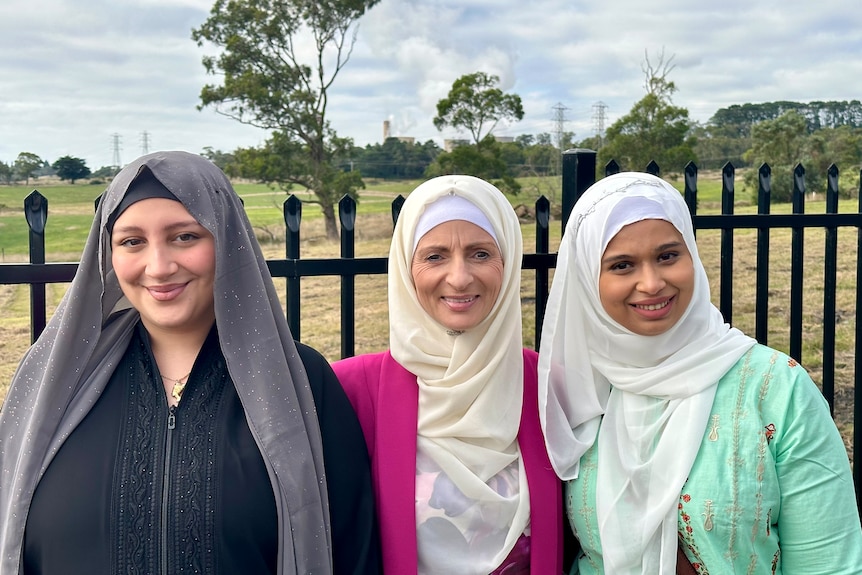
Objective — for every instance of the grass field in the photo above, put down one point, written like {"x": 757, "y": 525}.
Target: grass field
{"x": 71, "y": 213}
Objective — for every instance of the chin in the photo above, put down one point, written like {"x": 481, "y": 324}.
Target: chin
{"x": 459, "y": 327}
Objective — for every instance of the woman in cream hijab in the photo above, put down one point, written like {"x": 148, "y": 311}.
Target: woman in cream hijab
{"x": 687, "y": 447}
{"x": 461, "y": 477}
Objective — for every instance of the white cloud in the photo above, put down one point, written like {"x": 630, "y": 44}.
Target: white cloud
{"x": 70, "y": 76}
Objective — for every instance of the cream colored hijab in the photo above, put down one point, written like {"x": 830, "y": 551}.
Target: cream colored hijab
{"x": 470, "y": 385}
{"x": 651, "y": 394}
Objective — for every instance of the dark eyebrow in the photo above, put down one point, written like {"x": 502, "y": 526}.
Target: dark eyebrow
{"x": 483, "y": 244}
{"x": 658, "y": 250}
{"x": 618, "y": 258}
{"x": 176, "y": 226}
{"x": 669, "y": 246}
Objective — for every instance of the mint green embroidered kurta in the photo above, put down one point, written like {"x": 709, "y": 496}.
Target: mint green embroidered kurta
{"x": 770, "y": 490}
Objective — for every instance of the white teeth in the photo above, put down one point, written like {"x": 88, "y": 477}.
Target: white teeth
{"x": 653, "y": 307}
{"x": 459, "y": 300}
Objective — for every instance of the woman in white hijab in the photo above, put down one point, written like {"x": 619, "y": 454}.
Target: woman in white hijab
{"x": 166, "y": 421}
{"x": 687, "y": 447}
{"x": 461, "y": 476}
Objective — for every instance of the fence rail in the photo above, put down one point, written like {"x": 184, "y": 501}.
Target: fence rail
{"x": 579, "y": 172}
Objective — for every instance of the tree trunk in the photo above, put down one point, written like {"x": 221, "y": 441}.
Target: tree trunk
{"x": 329, "y": 220}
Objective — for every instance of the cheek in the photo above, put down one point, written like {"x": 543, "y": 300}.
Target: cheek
{"x": 201, "y": 261}
{"x": 423, "y": 281}
{"x": 499, "y": 274}
{"x": 606, "y": 290}
{"x": 121, "y": 267}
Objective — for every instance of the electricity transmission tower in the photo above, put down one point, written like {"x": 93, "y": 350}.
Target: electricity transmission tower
{"x": 599, "y": 116}
{"x": 559, "y": 134}
{"x": 115, "y": 143}
{"x": 145, "y": 143}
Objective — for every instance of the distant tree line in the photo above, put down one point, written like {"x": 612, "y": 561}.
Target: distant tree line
{"x": 782, "y": 134}
{"x": 29, "y": 165}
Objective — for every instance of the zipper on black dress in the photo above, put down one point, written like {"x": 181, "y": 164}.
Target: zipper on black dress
{"x": 166, "y": 487}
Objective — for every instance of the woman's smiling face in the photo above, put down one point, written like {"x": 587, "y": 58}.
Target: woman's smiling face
{"x": 165, "y": 263}
{"x": 457, "y": 272}
{"x": 646, "y": 280}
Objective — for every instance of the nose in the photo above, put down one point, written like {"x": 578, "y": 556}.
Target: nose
{"x": 651, "y": 280}
{"x": 460, "y": 275}
{"x": 161, "y": 262}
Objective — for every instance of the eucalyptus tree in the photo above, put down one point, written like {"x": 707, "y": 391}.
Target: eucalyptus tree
{"x": 278, "y": 60}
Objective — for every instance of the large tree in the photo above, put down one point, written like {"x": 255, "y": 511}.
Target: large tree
{"x": 477, "y": 105}
{"x": 781, "y": 143}
{"x": 69, "y": 168}
{"x": 279, "y": 59}
{"x": 26, "y": 165}
{"x": 654, "y": 129}
{"x": 484, "y": 160}
{"x": 5, "y": 172}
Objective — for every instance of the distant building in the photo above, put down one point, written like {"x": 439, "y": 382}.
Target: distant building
{"x": 450, "y": 145}
{"x": 388, "y": 134}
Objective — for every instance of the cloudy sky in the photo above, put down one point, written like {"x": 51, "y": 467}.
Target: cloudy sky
{"x": 78, "y": 76}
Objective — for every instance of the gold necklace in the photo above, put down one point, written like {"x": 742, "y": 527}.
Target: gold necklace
{"x": 179, "y": 385}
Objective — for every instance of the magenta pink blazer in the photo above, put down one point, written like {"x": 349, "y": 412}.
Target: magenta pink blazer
{"x": 386, "y": 399}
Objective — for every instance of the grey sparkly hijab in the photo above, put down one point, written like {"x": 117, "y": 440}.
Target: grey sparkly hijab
{"x": 65, "y": 371}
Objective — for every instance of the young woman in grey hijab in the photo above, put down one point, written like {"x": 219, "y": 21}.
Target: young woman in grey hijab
{"x": 113, "y": 461}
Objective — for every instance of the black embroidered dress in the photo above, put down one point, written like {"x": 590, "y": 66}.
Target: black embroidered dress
{"x": 141, "y": 487}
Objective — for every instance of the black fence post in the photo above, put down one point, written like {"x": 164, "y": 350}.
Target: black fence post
{"x": 857, "y": 363}
{"x": 347, "y": 217}
{"x": 761, "y": 293}
{"x": 292, "y": 219}
{"x": 36, "y": 211}
{"x": 725, "y": 303}
{"x": 689, "y": 192}
{"x": 397, "y": 204}
{"x": 830, "y": 284}
{"x": 797, "y": 265}
{"x": 579, "y": 173}
{"x": 543, "y": 224}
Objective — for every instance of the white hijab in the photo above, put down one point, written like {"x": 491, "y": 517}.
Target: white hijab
{"x": 651, "y": 394}
{"x": 470, "y": 384}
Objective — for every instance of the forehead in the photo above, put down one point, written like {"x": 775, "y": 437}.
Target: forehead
{"x": 152, "y": 212}
{"x": 455, "y": 231}
{"x": 645, "y": 234}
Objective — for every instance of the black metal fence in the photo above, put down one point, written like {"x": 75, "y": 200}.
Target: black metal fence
{"x": 579, "y": 172}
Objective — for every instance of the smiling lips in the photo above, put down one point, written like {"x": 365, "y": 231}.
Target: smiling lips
{"x": 459, "y": 303}
{"x": 653, "y": 307}
{"x": 166, "y": 292}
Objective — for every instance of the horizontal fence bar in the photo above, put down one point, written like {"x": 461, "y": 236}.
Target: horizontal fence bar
{"x": 49, "y": 273}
